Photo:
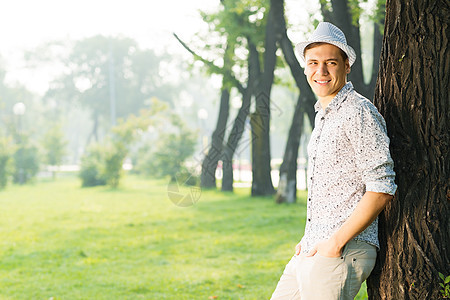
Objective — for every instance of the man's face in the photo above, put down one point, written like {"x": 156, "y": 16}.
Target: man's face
{"x": 326, "y": 70}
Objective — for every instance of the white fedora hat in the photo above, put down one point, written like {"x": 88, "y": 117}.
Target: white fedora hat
{"x": 330, "y": 34}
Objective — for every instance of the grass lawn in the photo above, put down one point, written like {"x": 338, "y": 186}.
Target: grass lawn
{"x": 60, "y": 241}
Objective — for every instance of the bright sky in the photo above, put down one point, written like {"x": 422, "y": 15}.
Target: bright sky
{"x": 30, "y": 22}
{"x": 25, "y": 24}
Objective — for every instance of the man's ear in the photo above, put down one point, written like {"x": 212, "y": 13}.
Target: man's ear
{"x": 347, "y": 66}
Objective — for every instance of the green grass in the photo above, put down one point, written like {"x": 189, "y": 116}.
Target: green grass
{"x": 60, "y": 241}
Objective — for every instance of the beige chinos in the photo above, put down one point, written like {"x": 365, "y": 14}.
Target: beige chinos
{"x": 327, "y": 278}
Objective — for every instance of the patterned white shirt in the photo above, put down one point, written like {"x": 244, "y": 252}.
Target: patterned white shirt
{"x": 348, "y": 155}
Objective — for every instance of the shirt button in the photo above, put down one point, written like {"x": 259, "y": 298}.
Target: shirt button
{"x": 309, "y": 199}
{"x": 309, "y": 220}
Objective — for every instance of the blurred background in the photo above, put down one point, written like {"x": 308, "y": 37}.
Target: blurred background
{"x": 115, "y": 115}
{"x": 90, "y": 86}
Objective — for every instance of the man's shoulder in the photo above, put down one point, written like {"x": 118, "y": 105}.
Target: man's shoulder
{"x": 357, "y": 103}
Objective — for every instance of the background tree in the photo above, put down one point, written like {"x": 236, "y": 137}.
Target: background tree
{"x": 412, "y": 94}
{"x": 244, "y": 22}
{"x": 54, "y": 145}
{"x": 163, "y": 149}
{"x": 112, "y": 77}
{"x": 6, "y": 153}
{"x": 260, "y": 119}
{"x": 346, "y": 14}
{"x": 26, "y": 159}
{"x": 240, "y": 121}
{"x": 239, "y": 25}
{"x": 102, "y": 163}
{"x": 287, "y": 187}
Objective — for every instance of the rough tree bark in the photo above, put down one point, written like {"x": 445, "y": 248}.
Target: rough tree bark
{"x": 412, "y": 94}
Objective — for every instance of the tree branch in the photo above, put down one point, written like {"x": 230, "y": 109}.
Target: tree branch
{"x": 213, "y": 68}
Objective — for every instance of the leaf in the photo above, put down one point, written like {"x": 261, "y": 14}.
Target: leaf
{"x": 441, "y": 275}
{"x": 447, "y": 280}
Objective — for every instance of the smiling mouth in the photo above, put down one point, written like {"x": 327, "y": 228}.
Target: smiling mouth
{"x": 322, "y": 81}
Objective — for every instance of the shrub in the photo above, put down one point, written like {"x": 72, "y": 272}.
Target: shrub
{"x": 113, "y": 161}
{"x": 91, "y": 169}
{"x": 168, "y": 155}
{"x": 102, "y": 165}
{"x": 26, "y": 163}
{"x": 54, "y": 145}
{"x": 6, "y": 166}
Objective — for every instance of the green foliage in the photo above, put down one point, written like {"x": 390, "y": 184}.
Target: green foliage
{"x": 98, "y": 65}
{"x": 376, "y": 14}
{"x": 114, "y": 158}
{"x": 26, "y": 162}
{"x": 6, "y": 166}
{"x": 172, "y": 143}
{"x": 232, "y": 26}
{"x": 54, "y": 145}
{"x": 445, "y": 285}
{"x": 168, "y": 156}
{"x": 102, "y": 164}
{"x": 92, "y": 170}
{"x": 379, "y": 14}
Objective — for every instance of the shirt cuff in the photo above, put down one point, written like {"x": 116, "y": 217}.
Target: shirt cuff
{"x": 386, "y": 187}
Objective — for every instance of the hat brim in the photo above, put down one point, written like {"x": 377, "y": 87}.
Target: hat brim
{"x": 300, "y": 49}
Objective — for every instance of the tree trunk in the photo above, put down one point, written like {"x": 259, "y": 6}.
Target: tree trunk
{"x": 377, "y": 42}
{"x": 240, "y": 120}
{"x": 232, "y": 143}
{"x": 260, "y": 119}
{"x": 412, "y": 94}
{"x": 209, "y": 164}
{"x": 344, "y": 20}
{"x": 342, "y": 17}
{"x": 94, "y": 132}
{"x": 287, "y": 188}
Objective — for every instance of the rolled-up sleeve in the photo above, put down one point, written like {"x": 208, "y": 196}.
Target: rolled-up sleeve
{"x": 369, "y": 138}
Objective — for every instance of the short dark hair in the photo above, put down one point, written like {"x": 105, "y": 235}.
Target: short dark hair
{"x": 313, "y": 45}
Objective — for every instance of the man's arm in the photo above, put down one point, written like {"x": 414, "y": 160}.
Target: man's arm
{"x": 365, "y": 213}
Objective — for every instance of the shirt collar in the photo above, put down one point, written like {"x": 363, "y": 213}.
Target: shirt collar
{"x": 338, "y": 99}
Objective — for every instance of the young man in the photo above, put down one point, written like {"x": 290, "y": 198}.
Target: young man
{"x": 350, "y": 179}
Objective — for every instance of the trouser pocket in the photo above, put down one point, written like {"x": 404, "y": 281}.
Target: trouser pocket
{"x": 360, "y": 262}
{"x": 323, "y": 278}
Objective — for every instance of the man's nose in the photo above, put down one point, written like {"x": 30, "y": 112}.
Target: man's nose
{"x": 323, "y": 70}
